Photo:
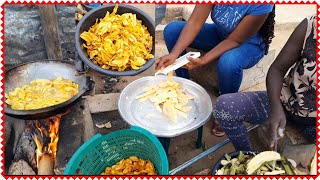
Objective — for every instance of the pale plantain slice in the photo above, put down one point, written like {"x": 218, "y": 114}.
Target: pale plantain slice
{"x": 170, "y": 111}
{"x": 168, "y": 95}
{"x": 151, "y": 91}
{"x": 182, "y": 114}
{"x": 186, "y": 109}
{"x": 158, "y": 107}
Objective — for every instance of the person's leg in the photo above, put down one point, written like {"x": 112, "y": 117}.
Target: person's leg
{"x": 230, "y": 68}
{"x": 231, "y": 110}
{"x": 231, "y": 64}
{"x": 205, "y": 40}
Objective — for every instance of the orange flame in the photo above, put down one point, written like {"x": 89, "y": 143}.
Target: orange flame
{"x": 52, "y": 133}
{"x": 54, "y": 136}
{"x": 39, "y": 148}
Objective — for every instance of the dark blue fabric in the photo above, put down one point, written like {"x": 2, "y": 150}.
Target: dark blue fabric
{"x": 228, "y": 16}
{"x": 230, "y": 65}
{"x": 94, "y": 5}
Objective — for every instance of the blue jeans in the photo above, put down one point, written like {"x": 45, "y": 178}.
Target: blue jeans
{"x": 230, "y": 64}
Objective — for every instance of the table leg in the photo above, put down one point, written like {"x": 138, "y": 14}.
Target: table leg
{"x": 165, "y": 143}
{"x": 199, "y": 141}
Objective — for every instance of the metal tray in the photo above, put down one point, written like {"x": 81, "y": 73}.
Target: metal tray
{"x": 145, "y": 115}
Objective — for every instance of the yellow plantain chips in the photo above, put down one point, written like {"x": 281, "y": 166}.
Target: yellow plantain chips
{"x": 118, "y": 42}
{"x": 131, "y": 166}
{"x": 41, "y": 93}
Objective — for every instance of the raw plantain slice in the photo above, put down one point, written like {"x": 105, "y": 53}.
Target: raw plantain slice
{"x": 182, "y": 114}
{"x": 169, "y": 96}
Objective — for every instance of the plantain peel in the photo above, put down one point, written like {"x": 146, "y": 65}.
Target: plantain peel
{"x": 118, "y": 42}
{"x": 41, "y": 93}
{"x": 265, "y": 163}
{"x": 170, "y": 97}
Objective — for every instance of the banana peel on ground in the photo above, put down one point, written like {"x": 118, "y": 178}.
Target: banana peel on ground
{"x": 313, "y": 166}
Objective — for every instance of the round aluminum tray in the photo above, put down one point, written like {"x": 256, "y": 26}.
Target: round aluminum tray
{"x": 145, "y": 115}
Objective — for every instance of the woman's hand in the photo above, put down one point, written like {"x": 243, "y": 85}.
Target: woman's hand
{"x": 187, "y": 35}
{"x": 287, "y": 57}
{"x": 194, "y": 63}
{"x": 165, "y": 61}
{"x": 277, "y": 120}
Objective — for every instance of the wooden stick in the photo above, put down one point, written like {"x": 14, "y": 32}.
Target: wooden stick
{"x": 88, "y": 122}
{"x": 50, "y": 28}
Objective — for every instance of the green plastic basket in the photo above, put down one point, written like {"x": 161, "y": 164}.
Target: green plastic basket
{"x": 100, "y": 152}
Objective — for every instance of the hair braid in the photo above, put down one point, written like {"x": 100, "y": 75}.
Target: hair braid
{"x": 267, "y": 29}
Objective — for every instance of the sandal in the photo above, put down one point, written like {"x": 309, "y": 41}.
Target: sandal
{"x": 216, "y": 129}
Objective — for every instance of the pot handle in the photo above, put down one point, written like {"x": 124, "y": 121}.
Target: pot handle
{"x": 80, "y": 66}
{"x": 89, "y": 83}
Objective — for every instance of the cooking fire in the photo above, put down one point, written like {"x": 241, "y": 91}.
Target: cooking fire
{"x": 39, "y": 143}
{"x": 46, "y": 138}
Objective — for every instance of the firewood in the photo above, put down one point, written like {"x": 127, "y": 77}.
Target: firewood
{"x": 18, "y": 126}
{"x": 8, "y": 127}
{"x": 26, "y": 149}
{"x": 46, "y": 165}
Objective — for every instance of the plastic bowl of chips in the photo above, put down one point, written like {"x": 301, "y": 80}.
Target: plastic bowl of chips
{"x": 118, "y": 46}
{"x": 102, "y": 151}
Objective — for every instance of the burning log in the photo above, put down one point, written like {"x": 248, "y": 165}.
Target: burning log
{"x": 35, "y": 146}
{"x": 46, "y": 138}
{"x": 46, "y": 165}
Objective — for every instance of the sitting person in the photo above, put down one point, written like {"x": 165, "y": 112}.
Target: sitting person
{"x": 292, "y": 98}
{"x": 237, "y": 40}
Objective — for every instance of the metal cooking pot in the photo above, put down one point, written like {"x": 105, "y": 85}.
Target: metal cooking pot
{"x": 90, "y": 19}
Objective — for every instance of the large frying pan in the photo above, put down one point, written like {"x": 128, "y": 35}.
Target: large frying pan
{"x": 44, "y": 69}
